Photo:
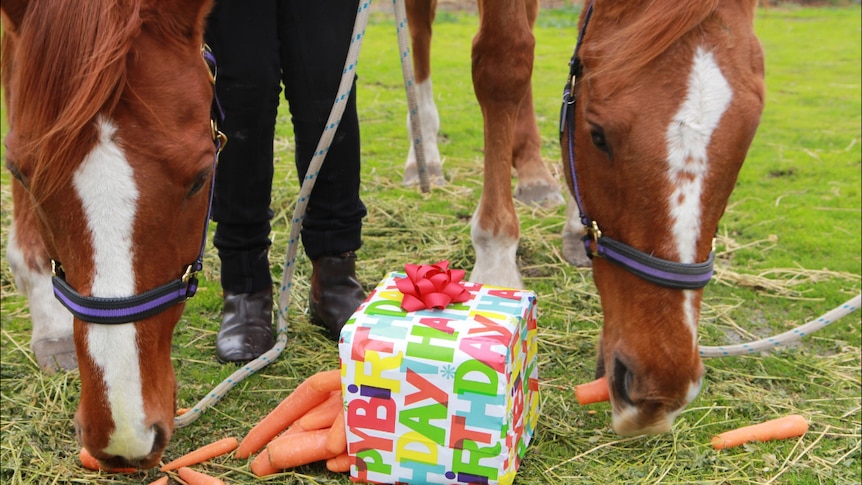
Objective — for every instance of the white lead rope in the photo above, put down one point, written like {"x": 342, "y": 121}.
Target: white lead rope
{"x": 403, "y": 32}
{"x": 323, "y": 145}
{"x": 785, "y": 338}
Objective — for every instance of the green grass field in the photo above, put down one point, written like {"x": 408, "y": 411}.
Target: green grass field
{"x": 789, "y": 250}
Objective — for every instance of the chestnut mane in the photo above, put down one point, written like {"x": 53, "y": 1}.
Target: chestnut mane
{"x": 645, "y": 31}
{"x": 70, "y": 67}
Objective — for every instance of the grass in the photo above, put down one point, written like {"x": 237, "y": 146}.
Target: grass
{"x": 789, "y": 251}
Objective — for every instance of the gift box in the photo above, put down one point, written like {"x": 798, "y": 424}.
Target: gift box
{"x": 440, "y": 395}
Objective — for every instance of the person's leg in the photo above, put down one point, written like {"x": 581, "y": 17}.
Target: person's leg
{"x": 243, "y": 37}
{"x": 315, "y": 38}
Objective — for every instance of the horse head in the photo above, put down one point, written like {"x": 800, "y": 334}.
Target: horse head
{"x": 665, "y": 101}
{"x": 111, "y": 146}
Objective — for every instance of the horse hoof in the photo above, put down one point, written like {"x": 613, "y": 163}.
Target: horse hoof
{"x": 574, "y": 251}
{"x": 434, "y": 172}
{"x": 54, "y": 355}
{"x": 542, "y": 194}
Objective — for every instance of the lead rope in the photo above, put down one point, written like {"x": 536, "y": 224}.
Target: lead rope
{"x": 403, "y": 32}
{"x": 349, "y": 73}
{"x": 784, "y": 338}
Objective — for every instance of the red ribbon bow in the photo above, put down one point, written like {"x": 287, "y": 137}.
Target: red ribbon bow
{"x": 431, "y": 286}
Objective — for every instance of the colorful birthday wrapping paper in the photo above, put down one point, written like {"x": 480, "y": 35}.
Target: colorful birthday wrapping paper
{"x": 440, "y": 396}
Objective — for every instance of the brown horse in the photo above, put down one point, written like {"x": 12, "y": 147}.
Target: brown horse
{"x": 669, "y": 98}
{"x": 664, "y": 100}
{"x": 502, "y": 67}
{"x": 110, "y": 146}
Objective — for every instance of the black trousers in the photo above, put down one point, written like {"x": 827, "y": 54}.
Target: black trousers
{"x": 260, "y": 46}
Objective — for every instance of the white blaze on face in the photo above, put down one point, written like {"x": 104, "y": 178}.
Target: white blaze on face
{"x": 688, "y": 138}
{"x": 106, "y": 187}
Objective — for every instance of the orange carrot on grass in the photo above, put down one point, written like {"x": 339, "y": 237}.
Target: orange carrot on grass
{"x": 261, "y": 466}
{"x": 324, "y": 413}
{"x": 336, "y": 440}
{"x": 592, "y": 392}
{"x": 299, "y": 449}
{"x": 305, "y": 397}
{"x": 776, "y": 429}
{"x": 90, "y": 462}
{"x": 204, "y": 453}
{"x": 339, "y": 464}
{"x": 192, "y": 477}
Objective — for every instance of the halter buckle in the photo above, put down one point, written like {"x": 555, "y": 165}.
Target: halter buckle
{"x": 189, "y": 274}
{"x": 596, "y": 233}
{"x": 218, "y": 137}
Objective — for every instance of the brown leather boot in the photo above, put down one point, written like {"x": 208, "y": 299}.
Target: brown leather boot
{"x": 335, "y": 292}
{"x": 246, "y": 328}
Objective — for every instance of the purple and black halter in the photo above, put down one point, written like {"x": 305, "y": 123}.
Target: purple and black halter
{"x": 669, "y": 274}
{"x": 137, "y": 307}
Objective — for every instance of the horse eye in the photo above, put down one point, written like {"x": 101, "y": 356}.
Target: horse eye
{"x": 623, "y": 378}
{"x": 597, "y": 135}
{"x": 199, "y": 183}
{"x": 17, "y": 174}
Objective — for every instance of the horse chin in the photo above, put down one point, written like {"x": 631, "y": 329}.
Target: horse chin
{"x": 107, "y": 456}
{"x": 630, "y": 421}
{"x": 118, "y": 462}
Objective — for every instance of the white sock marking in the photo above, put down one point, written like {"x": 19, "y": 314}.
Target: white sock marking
{"x": 495, "y": 258}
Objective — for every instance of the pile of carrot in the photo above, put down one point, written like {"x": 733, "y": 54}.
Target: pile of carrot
{"x": 306, "y": 427}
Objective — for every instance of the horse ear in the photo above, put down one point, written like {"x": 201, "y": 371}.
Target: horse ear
{"x": 13, "y": 13}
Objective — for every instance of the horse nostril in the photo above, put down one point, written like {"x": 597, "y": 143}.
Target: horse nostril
{"x": 160, "y": 442}
{"x": 622, "y": 381}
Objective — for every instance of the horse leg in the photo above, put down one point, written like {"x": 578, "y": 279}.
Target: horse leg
{"x": 51, "y": 339}
{"x": 420, "y": 17}
{"x": 536, "y": 184}
{"x": 502, "y": 66}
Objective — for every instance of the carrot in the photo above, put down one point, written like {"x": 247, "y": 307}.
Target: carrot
{"x": 592, "y": 392}
{"x": 305, "y": 397}
{"x": 261, "y": 466}
{"x": 90, "y": 462}
{"x": 324, "y": 413}
{"x": 339, "y": 464}
{"x": 776, "y": 429}
{"x": 192, "y": 477}
{"x": 293, "y": 429}
{"x": 181, "y": 411}
{"x": 336, "y": 439}
{"x": 299, "y": 449}
{"x": 204, "y": 453}
{"x": 328, "y": 381}
{"x": 160, "y": 481}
